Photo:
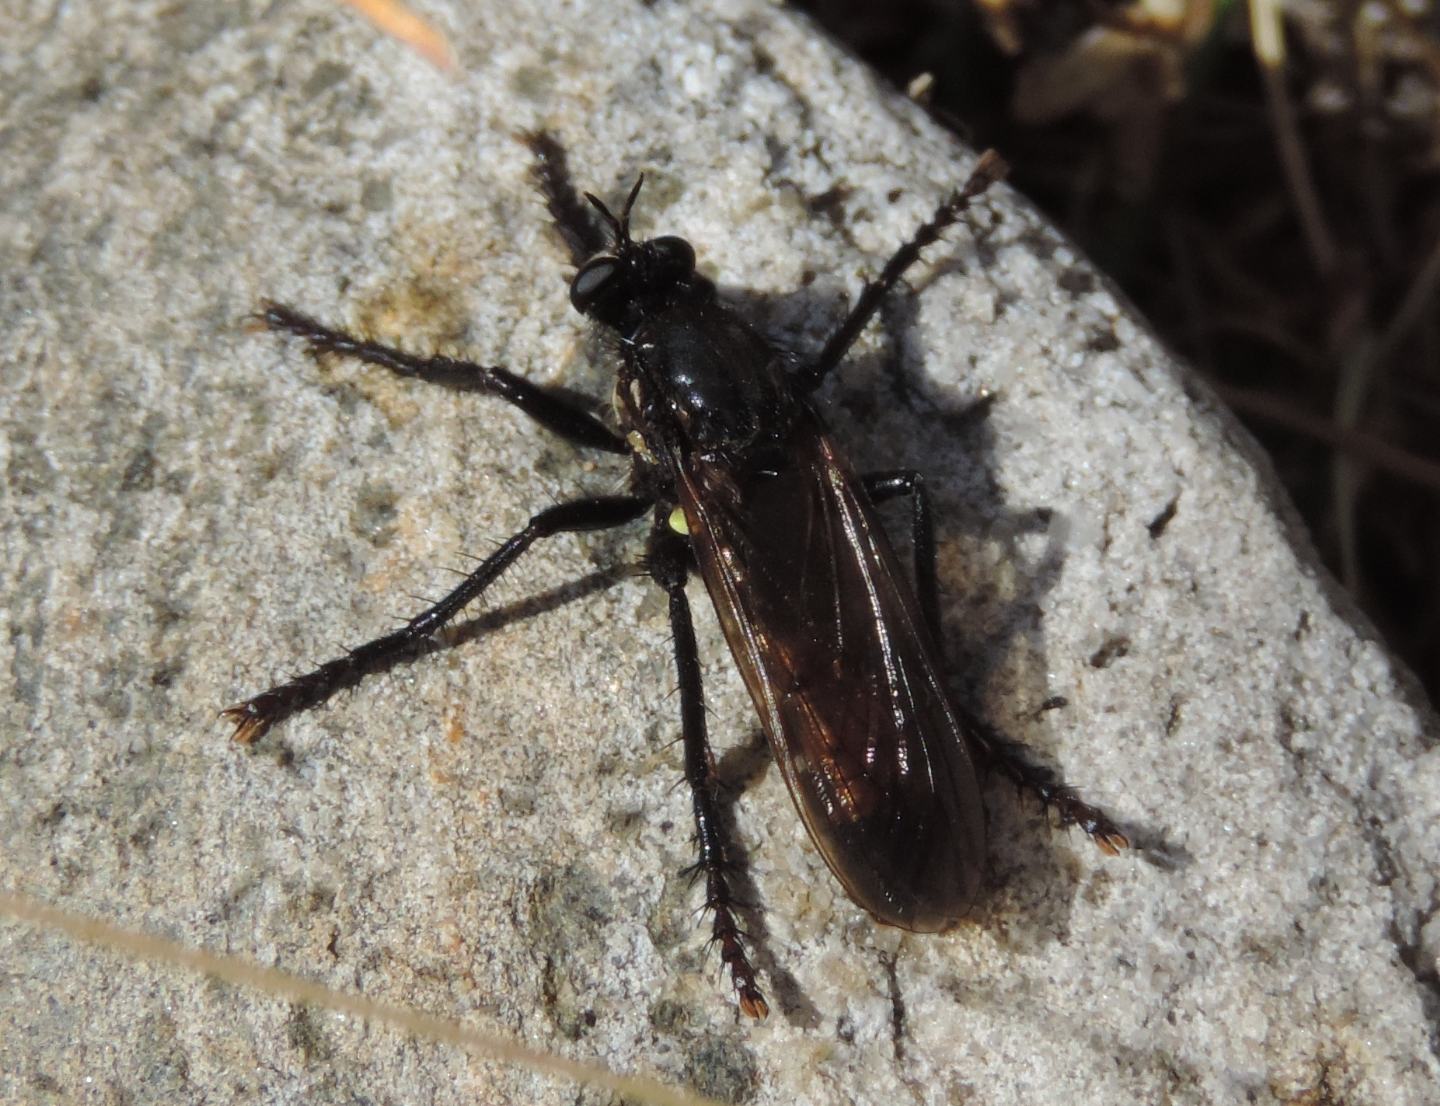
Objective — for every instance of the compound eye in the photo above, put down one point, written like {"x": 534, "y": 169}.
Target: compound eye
{"x": 675, "y": 255}
{"x": 592, "y": 282}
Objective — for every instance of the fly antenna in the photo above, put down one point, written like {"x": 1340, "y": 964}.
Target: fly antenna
{"x": 629, "y": 203}
{"x": 617, "y": 228}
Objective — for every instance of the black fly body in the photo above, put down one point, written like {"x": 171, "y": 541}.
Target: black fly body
{"x": 742, "y": 481}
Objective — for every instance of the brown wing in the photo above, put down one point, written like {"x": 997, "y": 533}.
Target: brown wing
{"x": 830, "y": 641}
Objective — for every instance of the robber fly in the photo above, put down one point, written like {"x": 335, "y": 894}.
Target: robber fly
{"x": 740, "y": 477}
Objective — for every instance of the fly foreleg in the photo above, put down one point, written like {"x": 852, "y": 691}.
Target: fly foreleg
{"x": 555, "y": 414}
{"x": 989, "y": 169}
{"x": 668, "y": 562}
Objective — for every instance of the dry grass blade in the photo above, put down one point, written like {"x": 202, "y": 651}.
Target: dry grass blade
{"x": 1282, "y": 411}
{"x": 399, "y": 22}
{"x": 1268, "y": 40}
{"x": 280, "y": 984}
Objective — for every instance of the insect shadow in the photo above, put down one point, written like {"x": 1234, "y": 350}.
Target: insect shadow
{"x": 840, "y": 646}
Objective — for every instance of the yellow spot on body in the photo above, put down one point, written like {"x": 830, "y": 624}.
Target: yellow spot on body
{"x": 636, "y": 441}
{"x": 678, "y": 523}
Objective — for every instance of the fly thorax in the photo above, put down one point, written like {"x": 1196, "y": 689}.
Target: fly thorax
{"x": 715, "y": 374}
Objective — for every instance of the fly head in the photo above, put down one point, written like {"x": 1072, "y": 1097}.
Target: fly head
{"x": 635, "y": 280}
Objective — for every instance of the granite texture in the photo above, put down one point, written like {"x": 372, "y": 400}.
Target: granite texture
{"x": 192, "y": 509}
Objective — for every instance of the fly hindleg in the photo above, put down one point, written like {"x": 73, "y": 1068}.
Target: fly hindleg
{"x": 668, "y": 562}
{"x": 991, "y": 748}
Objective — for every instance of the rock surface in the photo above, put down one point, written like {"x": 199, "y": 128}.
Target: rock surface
{"x": 192, "y": 509}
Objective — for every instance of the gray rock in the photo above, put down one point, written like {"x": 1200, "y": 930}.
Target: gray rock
{"x": 192, "y": 509}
